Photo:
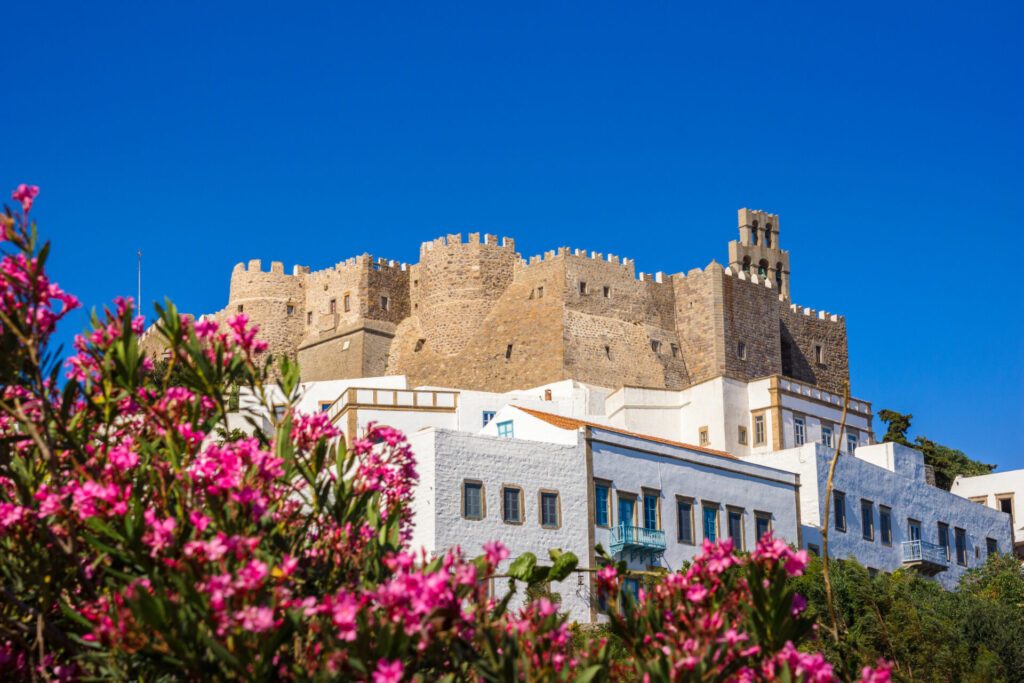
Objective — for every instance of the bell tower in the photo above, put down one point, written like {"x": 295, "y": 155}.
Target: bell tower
{"x": 758, "y": 251}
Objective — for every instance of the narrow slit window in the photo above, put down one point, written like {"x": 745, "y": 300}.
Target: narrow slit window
{"x": 508, "y": 352}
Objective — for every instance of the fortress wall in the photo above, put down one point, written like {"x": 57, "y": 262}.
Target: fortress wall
{"x": 699, "y": 311}
{"x": 802, "y": 329}
{"x": 751, "y": 316}
{"x": 272, "y": 300}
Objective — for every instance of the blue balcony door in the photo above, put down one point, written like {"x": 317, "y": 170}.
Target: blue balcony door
{"x": 915, "y": 530}
{"x": 626, "y": 506}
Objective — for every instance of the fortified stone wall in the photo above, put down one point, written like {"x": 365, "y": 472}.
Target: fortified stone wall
{"x": 476, "y": 315}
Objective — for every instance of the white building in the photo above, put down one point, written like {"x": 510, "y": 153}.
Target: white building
{"x": 887, "y": 516}
{"x": 1003, "y": 491}
{"x": 537, "y": 481}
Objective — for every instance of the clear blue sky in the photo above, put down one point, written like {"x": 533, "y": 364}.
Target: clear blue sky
{"x": 888, "y": 136}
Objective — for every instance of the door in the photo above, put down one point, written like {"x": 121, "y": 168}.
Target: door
{"x": 915, "y": 530}
{"x": 626, "y": 508}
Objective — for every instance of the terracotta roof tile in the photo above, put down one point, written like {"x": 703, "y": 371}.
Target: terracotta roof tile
{"x": 563, "y": 422}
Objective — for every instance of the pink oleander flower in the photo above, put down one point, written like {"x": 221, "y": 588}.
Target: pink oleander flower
{"x": 388, "y": 672}
{"x": 26, "y": 194}
{"x": 256, "y": 619}
{"x": 495, "y": 552}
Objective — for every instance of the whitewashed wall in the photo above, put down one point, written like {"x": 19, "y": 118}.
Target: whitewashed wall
{"x": 632, "y": 465}
{"x": 452, "y": 457}
{"x": 998, "y": 485}
{"x": 908, "y": 497}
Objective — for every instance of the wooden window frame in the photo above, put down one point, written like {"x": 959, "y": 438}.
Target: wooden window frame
{"x": 741, "y": 435}
{"x": 1000, "y": 497}
{"x": 607, "y": 503}
{"x": 483, "y": 500}
{"x": 346, "y": 302}
{"x": 522, "y": 503}
{"x": 703, "y": 437}
{"x": 763, "y": 440}
{"x": 644, "y": 492}
{"x": 881, "y": 530}
{"x": 863, "y": 532}
{"x": 729, "y": 510}
{"x": 693, "y": 526}
{"x": 540, "y": 508}
{"x": 835, "y": 507}
{"x": 803, "y": 423}
{"x": 619, "y": 494}
{"x": 717, "y": 507}
{"x": 767, "y": 516}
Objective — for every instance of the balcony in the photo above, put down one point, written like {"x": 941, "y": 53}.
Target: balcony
{"x": 394, "y": 399}
{"x": 638, "y": 541}
{"x": 927, "y": 558}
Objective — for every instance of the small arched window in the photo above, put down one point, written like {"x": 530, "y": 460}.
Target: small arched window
{"x": 753, "y": 233}
{"x": 762, "y": 268}
{"x": 746, "y": 264}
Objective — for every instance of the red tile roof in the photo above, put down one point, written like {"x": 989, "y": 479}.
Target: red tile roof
{"x": 572, "y": 423}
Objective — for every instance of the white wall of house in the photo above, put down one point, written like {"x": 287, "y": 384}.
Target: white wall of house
{"x": 992, "y": 490}
{"x": 446, "y": 459}
{"x": 530, "y": 428}
{"x": 898, "y": 484}
{"x": 634, "y": 465}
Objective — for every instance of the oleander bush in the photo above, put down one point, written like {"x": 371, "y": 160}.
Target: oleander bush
{"x": 140, "y": 539}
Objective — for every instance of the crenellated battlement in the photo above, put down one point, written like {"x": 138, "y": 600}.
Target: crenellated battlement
{"x": 454, "y": 240}
{"x": 473, "y": 312}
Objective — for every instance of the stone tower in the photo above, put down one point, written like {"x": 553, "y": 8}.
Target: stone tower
{"x": 759, "y": 249}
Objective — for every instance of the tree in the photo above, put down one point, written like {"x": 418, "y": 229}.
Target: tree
{"x": 947, "y": 463}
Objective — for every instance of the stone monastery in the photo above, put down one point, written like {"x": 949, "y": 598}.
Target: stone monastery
{"x": 563, "y": 401}
{"x": 477, "y": 315}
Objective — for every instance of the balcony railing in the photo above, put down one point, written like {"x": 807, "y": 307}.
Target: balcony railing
{"x": 929, "y": 558}
{"x": 637, "y": 541}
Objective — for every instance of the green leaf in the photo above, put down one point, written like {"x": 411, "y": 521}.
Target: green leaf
{"x": 522, "y": 567}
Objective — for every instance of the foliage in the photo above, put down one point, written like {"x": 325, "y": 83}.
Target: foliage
{"x": 928, "y": 633}
{"x": 140, "y": 539}
{"x": 948, "y": 463}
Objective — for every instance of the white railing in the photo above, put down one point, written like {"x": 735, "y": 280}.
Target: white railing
{"x": 413, "y": 399}
{"x": 923, "y": 551}
{"x": 809, "y": 391}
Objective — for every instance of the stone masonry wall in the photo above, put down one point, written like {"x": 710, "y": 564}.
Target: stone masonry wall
{"x": 476, "y": 315}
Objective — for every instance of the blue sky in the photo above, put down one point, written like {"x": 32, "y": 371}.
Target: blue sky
{"x": 888, "y": 136}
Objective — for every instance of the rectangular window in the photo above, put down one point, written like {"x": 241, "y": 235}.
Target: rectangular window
{"x": 583, "y": 287}
{"x": 607, "y": 292}
{"x": 1005, "y": 504}
{"x": 839, "y": 509}
{"x": 762, "y": 524}
{"x": 759, "y": 431}
{"x": 279, "y": 410}
{"x": 241, "y": 307}
{"x": 309, "y": 317}
{"x": 505, "y": 429}
{"x": 867, "y": 520}
{"x": 632, "y": 586}
{"x": 602, "y": 496}
{"x": 651, "y": 511}
{"x": 549, "y": 512}
{"x": 290, "y": 309}
{"x": 473, "y": 500}
{"x": 655, "y": 346}
{"x": 885, "y": 524}
{"x": 675, "y": 351}
{"x": 627, "y": 509}
{"x": 914, "y": 529}
{"x": 991, "y": 547}
{"x": 851, "y": 442}
{"x": 826, "y": 436}
{"x": 819, "y": 354}
{"x": 684, "y": 520}
{"x": 741, "y": 350}
{"x": 702, "y": 436}
{"x": 488, "y": 415}
{"x": 384, "y": 303}
{"x": 508, "y": 352}
{"x": 742, "y": 436}
{"x": 511, "y": 505}
{"x": 799, "y": 430}
{"x": 736, "y": 527}
{"x": 944, "y": 539}
{"x": 961, "y": 546}
{"x": 540, "y": 292}
{"x": 333, "y": 306}
{"x": 347, "y": 303}
{"x": 710, "y": 521}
